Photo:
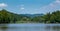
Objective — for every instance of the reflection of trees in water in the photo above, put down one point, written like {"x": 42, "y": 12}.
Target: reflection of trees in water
{"x": 3, "y": 27}
{"x": 56, "y": 28}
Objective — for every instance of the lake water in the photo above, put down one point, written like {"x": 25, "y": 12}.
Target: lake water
{"x": 31, "y": 27}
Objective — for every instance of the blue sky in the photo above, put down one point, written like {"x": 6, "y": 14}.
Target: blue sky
{"x": 30, "y": 6}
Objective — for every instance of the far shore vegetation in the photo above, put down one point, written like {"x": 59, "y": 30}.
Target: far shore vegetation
{"x": 7, "y": 17}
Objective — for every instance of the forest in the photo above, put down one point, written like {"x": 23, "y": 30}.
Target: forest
{"x": 7, "y": 17}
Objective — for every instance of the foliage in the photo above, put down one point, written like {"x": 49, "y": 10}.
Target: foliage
{"x": 8, "y": 17}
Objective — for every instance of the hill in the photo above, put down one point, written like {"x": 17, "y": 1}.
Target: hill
{"x": 31, "y": 15}
{"x": 9, "y": 17}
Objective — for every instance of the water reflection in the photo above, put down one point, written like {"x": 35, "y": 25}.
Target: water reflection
{"x": 3, "y": 27}
{"x": 29, "y": 27}
{"x": 53, "y": 28}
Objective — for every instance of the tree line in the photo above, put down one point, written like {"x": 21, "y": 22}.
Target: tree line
{"x": 8, "y": 17}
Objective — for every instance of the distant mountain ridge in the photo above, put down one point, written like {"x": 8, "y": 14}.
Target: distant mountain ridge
{"x": 28, "y": 15}
{"x": 32, "y": 15}
{"x": 10, "y": 17}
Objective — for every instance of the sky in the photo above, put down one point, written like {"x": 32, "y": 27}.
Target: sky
{"x": 30, "y": 6}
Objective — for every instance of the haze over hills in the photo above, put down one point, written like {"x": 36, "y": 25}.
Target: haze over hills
{"x": 32, "y": 15}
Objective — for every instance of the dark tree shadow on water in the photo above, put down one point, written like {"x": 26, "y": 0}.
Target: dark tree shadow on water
{"x": 55, "y": 28}
{"x": 3, "y": 27}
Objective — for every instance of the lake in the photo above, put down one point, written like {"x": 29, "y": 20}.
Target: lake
{"x": 30, "y": 27}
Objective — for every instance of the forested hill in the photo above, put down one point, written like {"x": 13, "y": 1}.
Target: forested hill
{"x": 31, "y": 15}
{"x": 9, "y": 17}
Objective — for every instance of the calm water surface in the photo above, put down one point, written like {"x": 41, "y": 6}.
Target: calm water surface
{"x": 31, "y": 27}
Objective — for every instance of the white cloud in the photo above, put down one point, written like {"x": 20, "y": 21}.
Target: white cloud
{"x": 3, "y": 5}
{"x": 51, "y": 7}
{"x": 22, "y": 8}
{"x": 58, "y": 1}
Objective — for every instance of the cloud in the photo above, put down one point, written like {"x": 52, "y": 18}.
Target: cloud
{"x": 22, "y": 8}
{"x": 58, "y": 1}
{"x": 3, "y": 5}
{"x": 55, "y": 5}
